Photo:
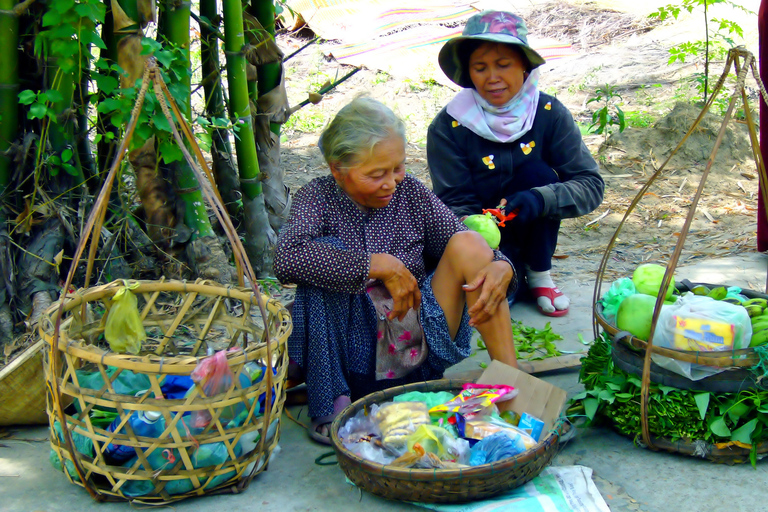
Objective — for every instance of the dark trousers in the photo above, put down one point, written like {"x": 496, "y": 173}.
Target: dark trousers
{"x": 531, "y": 244}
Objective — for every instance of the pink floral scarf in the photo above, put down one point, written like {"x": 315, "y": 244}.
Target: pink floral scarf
{"x": 400, "y": 346}
{"x": 499, "y": 124}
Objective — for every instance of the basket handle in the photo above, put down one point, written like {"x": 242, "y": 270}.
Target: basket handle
{"x": 96, "y": 220}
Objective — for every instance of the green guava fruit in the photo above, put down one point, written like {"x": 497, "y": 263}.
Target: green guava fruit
{"x": 635, "y": 314}
{"x": 485, "y": 225}
{"x": 648, "y": 277}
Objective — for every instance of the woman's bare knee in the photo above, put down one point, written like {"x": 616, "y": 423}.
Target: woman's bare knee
{"x": 468, "y": 250}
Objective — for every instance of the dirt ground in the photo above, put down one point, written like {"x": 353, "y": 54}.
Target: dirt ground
{"x": 621, "y": 48}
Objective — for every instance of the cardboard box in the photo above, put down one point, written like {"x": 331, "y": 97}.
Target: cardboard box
{"x": 535, "y": 396}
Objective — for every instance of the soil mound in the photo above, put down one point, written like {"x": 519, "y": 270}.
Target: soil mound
{"x": 658, "y": 142}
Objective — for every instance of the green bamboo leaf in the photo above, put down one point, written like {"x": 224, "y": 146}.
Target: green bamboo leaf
{"x": 70, "y": 169}
{"x": 106, "y": 84}
{"x": 719, "y": 428}
{"x": 170, "y": 152}
{"x": 165, "y": 58}
{"x": 702, "y": 403}
{"x": 590, "y": 407}
{"x": 144, "y": 131}
{"x": 743, "y": 434}
{"x": 66, "y": 155}
{"x": 108, "y": 105}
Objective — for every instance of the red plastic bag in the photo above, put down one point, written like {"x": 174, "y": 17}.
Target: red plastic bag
{"x": 214, "y": 376}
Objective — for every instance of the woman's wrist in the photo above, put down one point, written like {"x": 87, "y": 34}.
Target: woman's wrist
{"x": 381, "y": 266}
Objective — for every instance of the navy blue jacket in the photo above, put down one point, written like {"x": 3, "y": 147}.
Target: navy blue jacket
{"x": 470, "y": 173}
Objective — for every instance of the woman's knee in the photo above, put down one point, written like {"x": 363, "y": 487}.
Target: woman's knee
{"x": 468, "y": 246}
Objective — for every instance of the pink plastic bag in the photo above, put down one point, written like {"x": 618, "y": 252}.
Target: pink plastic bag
{"x": 214, "y": 376}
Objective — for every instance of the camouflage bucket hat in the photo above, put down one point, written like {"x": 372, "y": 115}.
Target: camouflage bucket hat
{"x": 492, "y": 26}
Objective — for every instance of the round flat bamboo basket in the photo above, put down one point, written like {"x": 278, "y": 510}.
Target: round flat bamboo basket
{"x": 437, "y": 485}
{"x": 184, "y": 322}
{"x": 22, "y": 389}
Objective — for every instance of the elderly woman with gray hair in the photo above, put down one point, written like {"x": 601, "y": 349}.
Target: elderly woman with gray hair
{"x": 390, "y": 283}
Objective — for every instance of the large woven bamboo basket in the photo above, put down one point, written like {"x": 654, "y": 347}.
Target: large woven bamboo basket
{"x": 184, "y": 322}
{"x": 742, "y": 62}
{"x": 22, "y": 389}
{"x": 741, "y": 358}
{"x": 437, "y": 485}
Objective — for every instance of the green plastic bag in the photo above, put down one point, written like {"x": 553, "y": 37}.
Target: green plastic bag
{"x": 124, "y": 330}
{"x": 431, "y": 398}
{"x": 83, "y": 444}
{"x": 620, "y": 289}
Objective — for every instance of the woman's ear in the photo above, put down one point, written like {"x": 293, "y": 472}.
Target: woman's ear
{"x": 335, "y": 171}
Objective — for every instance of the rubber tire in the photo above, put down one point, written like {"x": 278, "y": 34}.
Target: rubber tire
{"x": 728, "y": 381}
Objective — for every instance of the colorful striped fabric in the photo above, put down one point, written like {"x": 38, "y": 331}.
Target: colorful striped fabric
{"x": 388, "y": 35}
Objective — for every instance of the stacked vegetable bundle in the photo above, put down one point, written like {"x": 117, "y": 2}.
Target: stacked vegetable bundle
{"x": 710, "y": 423}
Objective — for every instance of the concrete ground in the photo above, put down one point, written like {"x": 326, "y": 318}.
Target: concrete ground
{"x": 629, "y": 478}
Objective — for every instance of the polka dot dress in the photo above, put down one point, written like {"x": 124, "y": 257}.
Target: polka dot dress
{"x": 325, "y": 248}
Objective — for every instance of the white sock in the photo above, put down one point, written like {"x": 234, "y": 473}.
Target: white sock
{"x": 544, "y": 280}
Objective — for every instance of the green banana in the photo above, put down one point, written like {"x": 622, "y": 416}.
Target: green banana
{"x": 753, "y": 310}
{"x": 700, "y": 289}
{"x": 732, "y": 300}
{"x": 718, "y": 293}
{"x": 759, "y": 338}
{"x": 763, "y": 303}
{"x": 759, "y": 323}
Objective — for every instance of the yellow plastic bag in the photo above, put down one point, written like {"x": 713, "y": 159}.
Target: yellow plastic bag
{"x": 124, "y": 330}
{"x": 431, "y": 438}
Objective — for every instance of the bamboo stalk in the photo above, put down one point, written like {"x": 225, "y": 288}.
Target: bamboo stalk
{"x": 221, "y": 149}
{"x": 9, "y": 85}
{"x": 175, "y": 28}
{"x": 259, "y": 233}
{"x": 239, "y": 105}
{"x": 269, "y": 74}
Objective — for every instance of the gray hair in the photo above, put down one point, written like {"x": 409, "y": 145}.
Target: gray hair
{"x": 361, "y": 124}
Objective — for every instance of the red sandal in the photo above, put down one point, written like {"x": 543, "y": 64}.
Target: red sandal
{"x": 551, "y": 294}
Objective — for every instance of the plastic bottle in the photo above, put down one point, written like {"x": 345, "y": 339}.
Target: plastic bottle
{"x": 144, "y": 424}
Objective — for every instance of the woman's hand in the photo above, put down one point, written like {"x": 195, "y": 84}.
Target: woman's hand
{"x": 492, "y": 281}
{"x": 399, "y": 281}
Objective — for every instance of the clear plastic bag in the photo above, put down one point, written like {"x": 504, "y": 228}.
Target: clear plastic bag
{"x": 496, "y": 447}
{"x": 475, "y": 398}
{"x": 620, "y": 289}
{"x": 701, "y": 324}
{"x": 124, "y": 330}
{"x": 440, "y": 442}
{"x": 398, "y": 420}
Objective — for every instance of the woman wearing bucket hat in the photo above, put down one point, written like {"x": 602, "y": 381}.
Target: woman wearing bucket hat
{"x": 502, "y": 143}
